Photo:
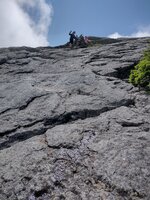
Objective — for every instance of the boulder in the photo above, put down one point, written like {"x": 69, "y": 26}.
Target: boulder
{"x": 71, "y": 125}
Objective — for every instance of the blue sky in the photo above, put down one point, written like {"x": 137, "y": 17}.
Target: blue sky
{"x": 48, "y": 22}
{"x": 98, "y": 17}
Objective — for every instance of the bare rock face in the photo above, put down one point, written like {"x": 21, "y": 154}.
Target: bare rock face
{"x": 71, "y": 126}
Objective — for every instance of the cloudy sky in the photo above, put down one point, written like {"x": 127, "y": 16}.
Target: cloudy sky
{"x": 24, "y": 22}
{"x": 47, "y": 22}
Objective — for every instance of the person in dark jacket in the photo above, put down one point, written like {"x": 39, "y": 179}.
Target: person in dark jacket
{"x": 72, "y": 37}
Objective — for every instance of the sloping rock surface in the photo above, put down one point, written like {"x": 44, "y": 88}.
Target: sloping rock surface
{"x": 71, "y": 126}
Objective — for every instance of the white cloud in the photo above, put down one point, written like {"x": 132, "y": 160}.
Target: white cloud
{"x": 115, "y": 35}
{"x": 19, "y": 28}
{"x": 142, "y": 32}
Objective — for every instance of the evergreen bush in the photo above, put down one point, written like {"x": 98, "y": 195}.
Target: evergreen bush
{"x": 140, "y": 75}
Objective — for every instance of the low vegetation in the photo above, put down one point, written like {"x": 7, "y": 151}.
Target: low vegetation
{"x": 140, "y": 75}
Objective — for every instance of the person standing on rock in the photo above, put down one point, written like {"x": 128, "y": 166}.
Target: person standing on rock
{"x": 72, "y": 38}
{"x": 86, "y": 39}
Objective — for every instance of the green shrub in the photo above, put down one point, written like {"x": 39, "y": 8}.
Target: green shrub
{"x": 140, "y": 75}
